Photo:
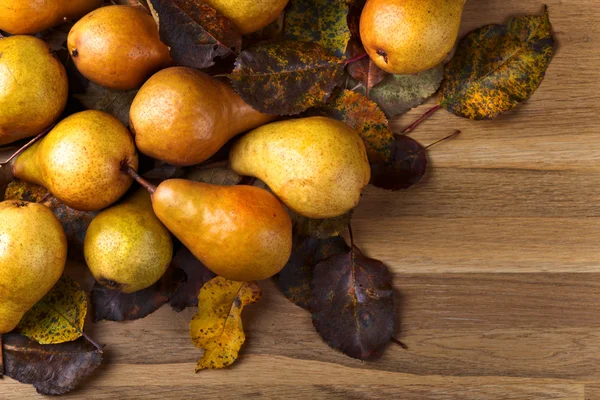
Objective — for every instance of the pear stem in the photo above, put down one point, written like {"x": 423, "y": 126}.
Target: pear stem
{"x": 422, "y": 118}
{"x": 28, "y": 144}
{"x": 355, "y": 59}
{"x": 126, "y": 168}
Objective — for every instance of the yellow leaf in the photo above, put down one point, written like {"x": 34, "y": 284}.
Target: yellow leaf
{"x": 59, "y": 316}
{"x": 217, "y": 327}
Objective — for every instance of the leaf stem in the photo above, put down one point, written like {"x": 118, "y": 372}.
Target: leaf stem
{"x": 92, "y": 341}
{"x": 452, "y": 136}
{"x": 126, "y": 168}
{"x": 351, "y": 235}
{"x": 399, "y": 343}
{"x": 28, "y": 144}
{"x": 356, "y": 58}
{"x": 422, "y": 118}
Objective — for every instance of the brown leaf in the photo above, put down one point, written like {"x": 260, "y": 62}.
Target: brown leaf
{"x": 196, "y": 276}
{"x": 132, "y": 3}
{"x": 116, "y": 306}
{"x": 320, "y": 228}
{"x": 52, "y": 369}
{"x": 353, "y": 304}
{"x": 196, "y": 32}
{"x": 365, "y": 71}
{"x": 407, "y": 167}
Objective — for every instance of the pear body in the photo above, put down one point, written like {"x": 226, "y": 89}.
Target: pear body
{"x": 117, "y": 47}
{"x": 20, "y": 17}
{"x": 79, "y": 161}
{"x": 33, "y": 252}
{"x": 241, "y": 233}
{"x": 317, "y": 166}
{"x": 249, "y": 15}
{"x": 33, "y": 87}
{"x": 126, "y": 247}
{"x": 183, "y": 116}
{"x": 410, "y": 36}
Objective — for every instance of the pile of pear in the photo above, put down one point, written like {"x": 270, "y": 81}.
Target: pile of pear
{"x": 316, "y": 167}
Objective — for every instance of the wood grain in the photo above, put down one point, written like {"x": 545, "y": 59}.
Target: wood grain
{"x": 495, "y": 255}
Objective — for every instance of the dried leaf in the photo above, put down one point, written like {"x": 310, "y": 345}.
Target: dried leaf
{"x": 196, "y": 276}
{"x": 116, "y": 306}
{"x": 320, "y": 228}
{"x": 164, "y": 172}
{"x": 223, "y": 176}
{"x": 116, "y": 103}
{"x": 365, "y": 70}
{"x": 196, "y": 32}
{"x": 59, "y": 316}
{"x": 287, "y": 77}
{"x": 498, "y": 66}
{"x": 319, "y": 21}
{"x": 217, "y": 327}
{"x": 273, "y": 31}
{"x": 295, "y": 279}
{"x": 132, "y": 3}
{"x": 365, "y": 117}
{"x": 353, "y": 304}
{"x": 408, "y": 165}
{"x": 52, "y": 369}
{"x": 396, "y": 94}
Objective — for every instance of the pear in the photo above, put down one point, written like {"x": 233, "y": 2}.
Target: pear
{"x": 117, "y": 47}
{"x": 317, "y": 166}
{"x": 126, "y": 247}
{"x": 183, "y": 116}
{"x": 410, "y": 36}
{"x": 33, "y": 87}
{"x": 79, "y": 161}
{"x": 249, "y": 15}
{"x": 31, "y": 16}
{"x": 242, "y": 233}
{"x": 33, "y": 253}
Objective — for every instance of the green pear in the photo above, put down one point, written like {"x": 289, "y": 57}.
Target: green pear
{"x": 79, "y": 161}
{"x": 242, "y": 233}
{"x": 317, "y": 166}
{"x": 126, "y": 247}
{"x": 410, "y": 36}
{"x": 33, "y": 253}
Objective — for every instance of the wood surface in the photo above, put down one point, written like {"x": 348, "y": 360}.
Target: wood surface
{"x": 495, "y": 255}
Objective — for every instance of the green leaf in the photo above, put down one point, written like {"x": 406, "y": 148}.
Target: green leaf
{"x": 498, "y": 66}
{"x": 397, "y": 94}
{"x": 59, "y": 316}
{"x": 286, "y": 78}
{"x": 320, "y": 21}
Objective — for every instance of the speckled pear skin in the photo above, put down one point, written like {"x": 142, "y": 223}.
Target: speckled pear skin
{"x": 79, "y": 161}
{"x": 33, "y": 87}
{"x": 183, "y": 116}
{"x": 242, "y": 233}
{"x": 20, "y": 17}
{"x": 317, "y": 166}
{"x": 406, "y": 37}
{"x": 249, "y": 15}
{"x": 126, "y": 247}
{"x": 117, "y": 47}
{"x": 33, "y": 253}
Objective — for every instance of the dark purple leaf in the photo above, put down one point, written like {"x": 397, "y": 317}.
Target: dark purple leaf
{"x": 196, "y": 276}
{"x": 407, "y": 167}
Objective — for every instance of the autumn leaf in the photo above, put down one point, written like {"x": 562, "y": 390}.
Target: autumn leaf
{"x": 217, "y": 327}
{"x": 132, "y": 3}
{"x": 364, "y": 70}
{"x": 196, "y": 275}
{"x": 320, "y": 228}
{"x": 295, "y": 279}
{"x": 59, "y": 316}
{"x": 498, "y": 66}
{"x": 407, "y": 167}
{"x": 365, "y": 117}
{"x": 196, "y": 32}
{"x": 223, "y": 176}
{"x": 52, "y": 369}
{"x": 165, "y": 171}
{"x": 286, "y": 77}
{"x": 353, "y": 304}
{"x": 319, "y": 21}
{"x": 273, "y": 31}
{"x": 116, "y": 103}
{"x": 112, "y": 305}
{"x": 397, "y": 94}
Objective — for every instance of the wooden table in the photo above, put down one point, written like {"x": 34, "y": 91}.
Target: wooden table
{"x": 496, "y": 258}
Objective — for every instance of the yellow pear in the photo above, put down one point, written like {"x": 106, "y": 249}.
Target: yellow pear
{"x": 242, "y": 233}
{"x": 410, "y": 36}
{"x": 31, "y": 16}
{"x": 183, "y": 116}
{"x": 126, "y": 247}
{"x": 249, "y": 15}
{"x": 33, "y": 87}
{"x": 79, "y": 161}
{"x": 33, "y": 252}
{"x": 117, "y": 47}
{"x": 317, "y": 166}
